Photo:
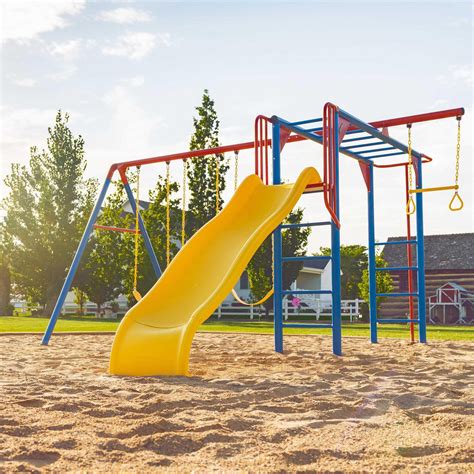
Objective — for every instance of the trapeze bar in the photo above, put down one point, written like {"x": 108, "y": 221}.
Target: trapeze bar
{"x": 437, "y": 188}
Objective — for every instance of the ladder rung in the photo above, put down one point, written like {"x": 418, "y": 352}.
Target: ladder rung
{"x": 394, "y": 269}
{"x": 398, "y": 321}
{"x": 310, "y": 326}
{"x": 306, "y": 292}
{"x": 396, "y": 294}
{"x": 436, "y": 188}
{"x": 395, "y": 242}
{"x": 306, "y": 224}
{"x": 306, "y": 257}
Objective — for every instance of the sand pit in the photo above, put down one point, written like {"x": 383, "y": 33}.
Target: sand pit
{"x": 379, "y": 408}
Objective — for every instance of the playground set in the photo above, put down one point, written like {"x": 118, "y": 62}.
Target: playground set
{"x": 155, "y": 336}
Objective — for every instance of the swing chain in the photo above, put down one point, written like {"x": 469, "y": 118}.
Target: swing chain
{"x": 236, "y": 169}
{"x": 183, "y": 211}
{"x": 456, "y": 196}
{"x": 135, "y": 292}
{"x": 410, "y": 206}
{"x": 168, "y": 230}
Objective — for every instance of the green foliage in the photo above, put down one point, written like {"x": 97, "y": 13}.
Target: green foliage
{"x": 155, "y": 221}
{"x": 107, "y": 255}
{"x": 384, "y": 281}
{"x": 80, "y": 298}
{"x": 294, "y": 243}
{"x": 47, "y": 208}
{"x": 5, "y": 277}
{"x": 353, "y": 264}
{"x": 202, "y": 171}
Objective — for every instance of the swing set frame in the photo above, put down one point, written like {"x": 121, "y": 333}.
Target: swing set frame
{"x": 337, "y": 130}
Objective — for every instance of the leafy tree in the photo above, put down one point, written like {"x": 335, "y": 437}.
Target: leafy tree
{"x": 47, "y": 208}
{"x": 155, "y": 221}
{"x": 353, "y": 264}
{"x": 102, "y": 277}
{"x": 384, "y": 283}
{"x": 202, "y": 171}
{"x": 80, "y": 298}
{"x": 294, "y": 243}
{"x": 5, "y": 278}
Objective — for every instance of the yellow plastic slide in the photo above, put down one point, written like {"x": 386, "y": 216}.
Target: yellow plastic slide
{"x": 155, "y": 336}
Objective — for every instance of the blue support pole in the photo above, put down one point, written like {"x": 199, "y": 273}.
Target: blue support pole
{"x": 75, "y": 264}
{"x": 372, "y": 266}
{"x": 420, "y": 255}
{"x": 146, "y": 237}
{"x": 336, "y": 255}
{"x": 277, "y": 250}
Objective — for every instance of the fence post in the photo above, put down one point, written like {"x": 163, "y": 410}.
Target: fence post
{"x": 251, "y": 313}
{"x": 219, "y": 312}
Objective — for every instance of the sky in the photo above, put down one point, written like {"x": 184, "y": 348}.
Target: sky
{"x": 130, "y": 74}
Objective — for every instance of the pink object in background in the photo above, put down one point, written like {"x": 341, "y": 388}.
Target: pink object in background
{"x": 295, "y": 302}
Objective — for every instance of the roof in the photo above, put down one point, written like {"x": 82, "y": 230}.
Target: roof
{"x": 442, "y": 252}
{"x": 316, "y": 264}
{"x": 456, "y": 286}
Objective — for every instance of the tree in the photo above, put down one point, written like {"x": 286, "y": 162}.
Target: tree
{"x": 47, "y": 207}
{"x": 294, "y": 243}
{"x": 106, "y": 260}
{"x": 5, "y": 278}
{"x": 80, "y": 298}
{"x": 353, "y": 264}
{"x": 154, "y": 218}
{"x": 202, "y": 171}
{"x": 383, "y": 283}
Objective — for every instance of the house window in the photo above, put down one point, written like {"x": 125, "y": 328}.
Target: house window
{"x": 244, "y": 281}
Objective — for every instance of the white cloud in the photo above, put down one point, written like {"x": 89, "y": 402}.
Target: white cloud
{"x": 25, "y": 20}
{"x": 124, "y": 16}
{"x": 68, "y": 50}
{"x": 135, "y": 45}
{"x": 136, "y": 81}
{"x": 24, "y": 82}
{"x": 457, "y": 73}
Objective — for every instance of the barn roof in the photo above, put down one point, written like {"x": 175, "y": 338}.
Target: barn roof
{"x": 442, "y": 252}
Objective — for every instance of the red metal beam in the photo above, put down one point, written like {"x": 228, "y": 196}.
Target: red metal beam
{"x": 294, "y": 138}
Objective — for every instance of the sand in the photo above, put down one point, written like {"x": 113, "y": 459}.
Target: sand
{"x": 381, "y": 408}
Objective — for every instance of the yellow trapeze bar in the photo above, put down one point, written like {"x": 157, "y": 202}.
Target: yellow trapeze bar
{"x": 437, "y": 188}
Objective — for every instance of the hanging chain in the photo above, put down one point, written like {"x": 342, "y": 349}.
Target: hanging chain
{"x": 168, "y": 229}
{"x": 183, "y": 211}
{"x": 236, "y": 169}
{"x": 410, "y": 207}
{"x": 458, "y": 154}
{"x": 217, "y": 184}
{"x": 135, "y": 263}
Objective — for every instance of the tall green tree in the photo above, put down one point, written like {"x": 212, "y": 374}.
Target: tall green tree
{"x": 259, "y": 270}
{"x": 47, "y": 207}
{"x": 5, "y": 277}
{"x": 353, "y": 264}
{"x": 105, "y": 263}
{"x": 203, "y": 171}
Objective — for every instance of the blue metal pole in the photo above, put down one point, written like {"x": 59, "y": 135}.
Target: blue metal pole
{"x": 336, "y": 254}
{"x": 372, "y": 265}
{"x": 146, "y": 237}
{"x": 420, "y": 255}
{"x": 75, "y": 264}
{"x": 277, "y": 250}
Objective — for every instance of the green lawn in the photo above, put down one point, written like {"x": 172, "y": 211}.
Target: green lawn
{"x": 31, "y": 324}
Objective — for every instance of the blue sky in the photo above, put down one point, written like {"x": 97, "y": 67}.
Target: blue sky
{"x": 130, "y": 73}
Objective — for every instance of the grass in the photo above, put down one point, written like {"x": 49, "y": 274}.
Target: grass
{"x": 76, "y": 324}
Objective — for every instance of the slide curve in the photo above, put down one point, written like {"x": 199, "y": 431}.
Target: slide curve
{"x": 155, "y": 336}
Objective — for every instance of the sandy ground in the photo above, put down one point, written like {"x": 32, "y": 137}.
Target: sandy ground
{"x": 379, "y": 408}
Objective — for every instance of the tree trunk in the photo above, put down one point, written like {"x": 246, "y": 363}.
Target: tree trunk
{"x": 49, "y": 306}
{"x": 5, "y": 287}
